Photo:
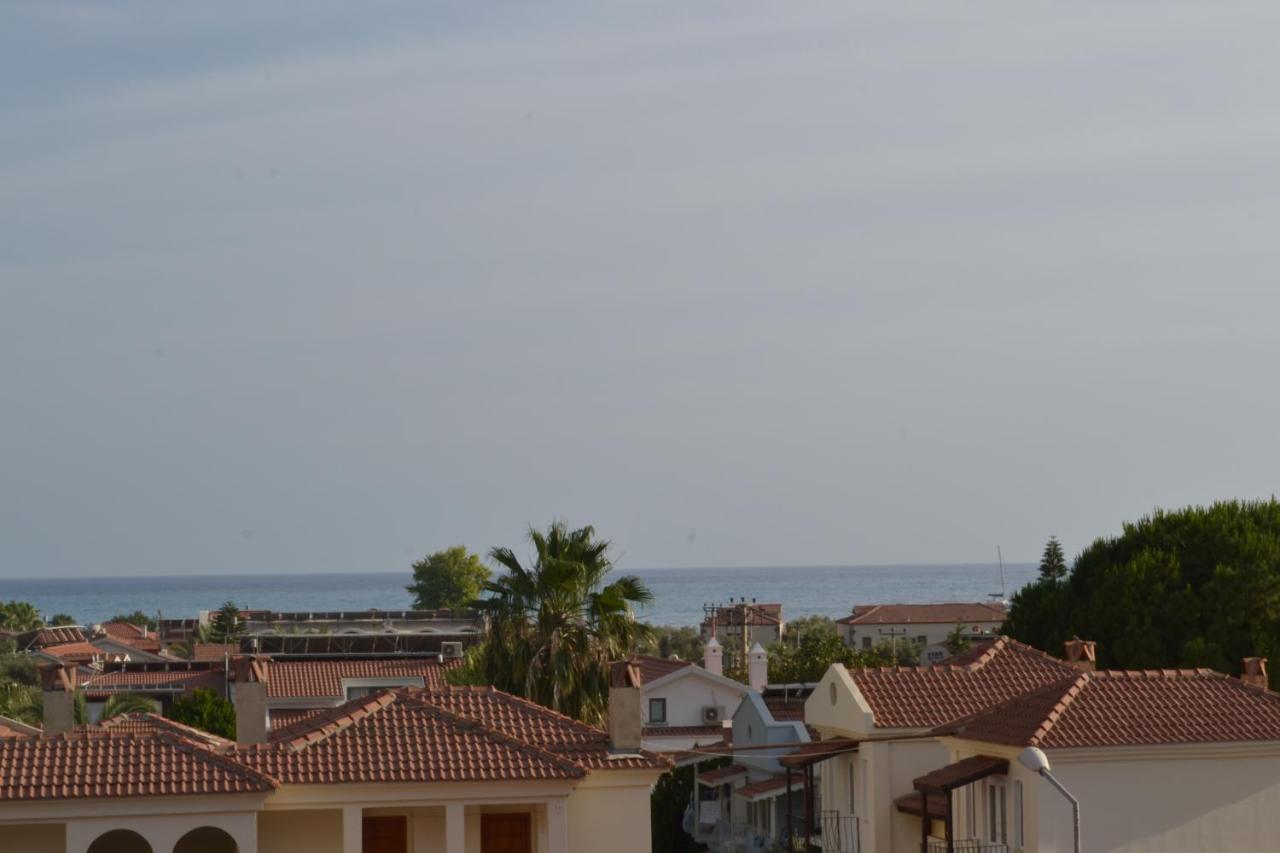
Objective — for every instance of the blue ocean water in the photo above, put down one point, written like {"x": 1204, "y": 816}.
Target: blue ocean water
{"x": 679, "y": 594}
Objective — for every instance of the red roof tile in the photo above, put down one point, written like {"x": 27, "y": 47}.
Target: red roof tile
{"x": 721, "y": 775}
{"x": 75, "y": 652}
{"x": 102, "y": 763}
{"x": 929, "y": 696}
{"x": 42, "y": 637}
{"x": 296, "y": 679}
{"x": 154, "y": 681}
{"x": 453, "y": 735}
{"x": 772, "y": 785}
{"x": 16, "y": 728}
{"x": 652, "y": 668}
{"x": 1118, "y": 708}
{"x": 213, "y": 651}
{"x": 898, "y": 614}
{"x": 285, "y": 717}
{"x": 144, "y": 724}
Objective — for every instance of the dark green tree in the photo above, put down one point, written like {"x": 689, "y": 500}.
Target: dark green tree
{"x": 205, "y": 710}
{"x": 667, "y": 803}
{"x": 227, "y": 625}
{"x": 672, "y": 640}
{"x": 61, "y": 620}
{"x": 555, "y": 624}
{"x": 452, "y": 578}
{"x": 1193, "y": 587}
{"x": 957, "y": 641}
{"x": 137, "y": 617}
{"x": 1053, "y": 565}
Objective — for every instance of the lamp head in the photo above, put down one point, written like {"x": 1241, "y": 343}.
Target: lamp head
{"x": 1034, "y": 760}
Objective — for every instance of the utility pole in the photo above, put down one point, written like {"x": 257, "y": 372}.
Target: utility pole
{"x": 894, "y": 635}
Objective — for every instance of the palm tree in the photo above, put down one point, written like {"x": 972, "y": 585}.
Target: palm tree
{"x": 556, "y": 625}
{"x": 21, "y": 702}
{"x": 127, "y": 703}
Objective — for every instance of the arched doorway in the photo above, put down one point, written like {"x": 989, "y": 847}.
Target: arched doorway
{"x": 206, "y": 839}
{"x": 120, "y": 841}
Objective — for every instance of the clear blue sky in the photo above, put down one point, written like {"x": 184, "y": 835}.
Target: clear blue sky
{"x": 324, "y": 286}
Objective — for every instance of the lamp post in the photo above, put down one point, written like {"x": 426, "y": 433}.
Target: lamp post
{"x": 1036, "y": 761}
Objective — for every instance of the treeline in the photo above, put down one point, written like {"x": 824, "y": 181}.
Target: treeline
{"x": 1195, "y": 587}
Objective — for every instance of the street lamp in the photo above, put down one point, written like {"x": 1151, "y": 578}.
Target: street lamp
{"x": 1037, "y": 762}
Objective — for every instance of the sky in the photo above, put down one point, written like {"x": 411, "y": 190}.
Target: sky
{"x": 324, "y": 287}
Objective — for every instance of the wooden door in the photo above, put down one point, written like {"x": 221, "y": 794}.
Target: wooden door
{"x": 506, "y": 833}
{"x": 385, "y": 835}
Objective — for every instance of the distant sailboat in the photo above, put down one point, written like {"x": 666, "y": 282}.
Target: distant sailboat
{"x": 1000, "y": 597}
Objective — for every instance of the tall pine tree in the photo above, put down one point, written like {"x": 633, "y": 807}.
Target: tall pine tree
{"x": 1053, "y": 565}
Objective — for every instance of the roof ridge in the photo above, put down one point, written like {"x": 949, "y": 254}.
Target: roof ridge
{"x": 330, "y": 721}
{"x": 495, "y": 734}
{"x": 207, "y": 754}
{"x": 1074, "y": 688}
{"x": 519, "y": 701}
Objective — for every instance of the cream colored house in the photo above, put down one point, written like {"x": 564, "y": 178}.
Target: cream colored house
{"x": 1161, "y": 761}
{"x": 685, "y": 705}
{"x": 920, "y": 625}
{"x": 448, "y": 770}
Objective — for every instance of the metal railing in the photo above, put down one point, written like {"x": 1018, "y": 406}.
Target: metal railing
{"x": 839, "y": 833}
{"x": 966, "y": 845}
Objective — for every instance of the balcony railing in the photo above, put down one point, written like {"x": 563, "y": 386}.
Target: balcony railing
{"x": 966, "y": 845}
{"x": 839, "y": 833}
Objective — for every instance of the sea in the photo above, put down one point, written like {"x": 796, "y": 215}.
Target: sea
{"x": 679, "y": 593}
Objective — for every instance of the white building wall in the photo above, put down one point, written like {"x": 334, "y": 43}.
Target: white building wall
{"x": 933, "y": 632}
{"x": 687, "y": 696}
{"x": 1164, "y": 806}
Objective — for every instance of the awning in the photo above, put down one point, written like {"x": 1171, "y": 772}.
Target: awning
{"x": 939, "y": 804}
{"x": 810, "y": 754}
{"x": 767, "y": 789}
{"x": 970, "y": 770}
{"x": 722, "y": 775}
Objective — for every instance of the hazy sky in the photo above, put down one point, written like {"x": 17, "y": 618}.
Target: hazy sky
{"x": 326, "y": 286}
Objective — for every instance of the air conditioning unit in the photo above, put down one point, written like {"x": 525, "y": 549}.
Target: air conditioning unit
{"x": 451, "y": 650}
{"x": 712, "y": 714}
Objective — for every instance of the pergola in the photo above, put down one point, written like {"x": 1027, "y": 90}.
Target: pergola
{"x": 803, "y": 759}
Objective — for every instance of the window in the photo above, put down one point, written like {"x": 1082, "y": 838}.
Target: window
{"x": 1018, "y": 833}
{"x": 657, "y": 710}
{"x": 866, "y": 643}
{"x": 996, "y": 813}
{"x": 922, "y": 640}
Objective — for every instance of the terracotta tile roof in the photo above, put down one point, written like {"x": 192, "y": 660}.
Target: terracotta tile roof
{"x": 453, "y": 735}
{"x": 786, "y": 704}
{"x": 75, "y": 652}
{"x": 213, "y": 651}
{"x": 131, "y": 635}
{"x": 769, "y": 787}
{"x": 42, "y": 637}
{"x": 322, "y": 678}
{"x": 898, "y": 614}
{"x": 652, "y": 668}
{"x": 1119, "y": 708}
{"x": 154, "y": 681}
{"x": 284, "y": 717}
{"x": 721, "y": 775}
{"x": 145, "y": 724}
{"x": 683, "y": 731}
{"x": 928, "y": 696}
{"x": 98, "y": 763}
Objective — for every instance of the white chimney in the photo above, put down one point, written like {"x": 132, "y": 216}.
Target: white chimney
{"x": 757, "y": 668}
{"x": 713, "y": 657}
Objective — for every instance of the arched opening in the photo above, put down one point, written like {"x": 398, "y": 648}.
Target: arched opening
{"x": 206, "y": 839}
{"x": 120, "y": 841}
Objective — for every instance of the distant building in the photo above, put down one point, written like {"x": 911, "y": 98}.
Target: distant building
{"x": 761, "y": 623}
{"x": 919, "y": 624}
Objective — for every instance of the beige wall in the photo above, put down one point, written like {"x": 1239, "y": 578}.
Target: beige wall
{"x": 613, "y": 819}
{"x": 312, "y": 830}
{"x": 33, "y": 838}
